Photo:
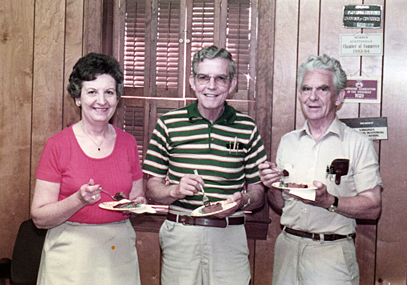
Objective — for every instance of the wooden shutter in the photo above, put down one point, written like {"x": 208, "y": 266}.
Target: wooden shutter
{"x": 238, "y": 38}
{"x": 154, "y": 69}
{"x": 133, "y": 123}
{"x": 167, "y": 54}
{"x": 134, "y": 44}
{"x": 203, "y": 18}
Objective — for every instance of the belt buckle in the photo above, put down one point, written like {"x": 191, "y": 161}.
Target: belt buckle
{"x": 315, "y": 237}
{"x": 182, "y": 219}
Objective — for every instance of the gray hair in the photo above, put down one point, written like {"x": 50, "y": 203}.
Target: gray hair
{"x": 213, "y": 52}
{"x": 325, "y": 62}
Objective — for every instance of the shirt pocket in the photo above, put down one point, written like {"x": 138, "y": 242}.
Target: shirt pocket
{"x": 346, "y": 187}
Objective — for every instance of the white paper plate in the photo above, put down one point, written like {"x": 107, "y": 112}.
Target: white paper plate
{"x": 304, "y": 193}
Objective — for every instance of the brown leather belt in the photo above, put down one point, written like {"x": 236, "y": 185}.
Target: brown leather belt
{"x": 316, "y": 237}
{"x": 207, "y": 222}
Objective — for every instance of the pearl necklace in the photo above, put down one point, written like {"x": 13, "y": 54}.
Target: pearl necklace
{"x": 97, "y": 145}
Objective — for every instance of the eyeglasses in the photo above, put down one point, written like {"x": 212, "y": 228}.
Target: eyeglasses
{"x": 220, "y": 80}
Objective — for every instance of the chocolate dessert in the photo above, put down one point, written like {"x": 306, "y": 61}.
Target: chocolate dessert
{"x": 293, "y": 185}
{"x": 126, "y": 205}
{"x": 213, "y": 207}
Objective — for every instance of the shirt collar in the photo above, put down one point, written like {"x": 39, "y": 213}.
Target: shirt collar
{"x": 228, "y": 116}
{"x": 336, "y": 128}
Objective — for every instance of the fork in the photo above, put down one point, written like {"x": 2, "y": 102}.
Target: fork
{"x": 205, "y": 199}
{"x": 117, "y": 197}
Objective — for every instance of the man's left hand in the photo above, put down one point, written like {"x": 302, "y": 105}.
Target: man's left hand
{"x": 240, "y": 201}
{"x": 322, "y": 198}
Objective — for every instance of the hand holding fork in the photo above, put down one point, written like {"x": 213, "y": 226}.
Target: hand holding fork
{"x": 205, "y": 199}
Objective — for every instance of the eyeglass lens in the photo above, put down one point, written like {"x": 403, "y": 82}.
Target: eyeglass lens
{"x": 221, "y": 80}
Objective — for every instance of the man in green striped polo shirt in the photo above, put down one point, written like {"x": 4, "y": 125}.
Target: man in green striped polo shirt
{"x": 206, "y": 144}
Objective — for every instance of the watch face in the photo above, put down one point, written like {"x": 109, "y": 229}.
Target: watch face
{"x": 332, "y": 208}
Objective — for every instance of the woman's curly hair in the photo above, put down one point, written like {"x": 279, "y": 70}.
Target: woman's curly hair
{"x": 89, "y": 67}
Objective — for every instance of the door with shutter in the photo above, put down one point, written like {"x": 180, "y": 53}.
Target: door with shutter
{"x": 161, "y": 37}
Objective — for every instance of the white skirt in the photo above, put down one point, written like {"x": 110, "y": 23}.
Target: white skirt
{"x": 76, "y": 253}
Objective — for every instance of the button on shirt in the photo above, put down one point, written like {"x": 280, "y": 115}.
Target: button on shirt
{"x": 307, "y": 161}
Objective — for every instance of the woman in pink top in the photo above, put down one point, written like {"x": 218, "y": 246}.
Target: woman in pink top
{"x": 86, "y": 244}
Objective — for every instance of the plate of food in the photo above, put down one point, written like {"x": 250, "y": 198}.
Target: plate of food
{"x": 292, "y": 185}
{"x": 212, "y": 209}
{"x": 127, "y": 205}
{"x": 302, "y": 190}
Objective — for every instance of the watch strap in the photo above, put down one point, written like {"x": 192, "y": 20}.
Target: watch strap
{"x": 247, "y": 203}
{"x": 333, "y": 207}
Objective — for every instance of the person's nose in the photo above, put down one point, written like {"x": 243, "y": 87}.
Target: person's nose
{"x": 101, "y": 98}
{"x": 313, "y": 96}
{"x": 212, "y": 84}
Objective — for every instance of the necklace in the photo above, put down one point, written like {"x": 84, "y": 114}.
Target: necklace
{"x": 97, "y": 145}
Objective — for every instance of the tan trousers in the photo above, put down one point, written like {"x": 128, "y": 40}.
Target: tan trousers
{"x": 197, "y": 255}
{"x": 302, "y": 261}
{"x": 89, "y": 254}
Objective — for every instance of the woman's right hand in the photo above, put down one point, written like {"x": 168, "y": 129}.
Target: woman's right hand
{"x": 89, "y": 193}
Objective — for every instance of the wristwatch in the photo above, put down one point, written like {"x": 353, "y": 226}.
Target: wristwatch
{"x": 333, "y": 207}
{"x": 248, "y": 202}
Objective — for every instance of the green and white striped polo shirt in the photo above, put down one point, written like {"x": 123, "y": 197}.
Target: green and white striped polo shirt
{"x": 226, "y": 153}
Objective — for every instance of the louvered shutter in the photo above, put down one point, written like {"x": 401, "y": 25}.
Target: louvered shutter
{"x": 167, "y": 54}
{"x": 163, "y": 54}
{"x": 133, "y": 123}
{"x": 238, "y": 39}
{"x": 134, "y": 43}
{"x": 203, "y": 18}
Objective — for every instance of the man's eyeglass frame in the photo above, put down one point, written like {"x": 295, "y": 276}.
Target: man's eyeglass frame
{"x": 220, "y": 80}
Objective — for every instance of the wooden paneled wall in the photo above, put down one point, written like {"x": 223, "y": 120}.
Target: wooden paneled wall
{"x": 40, "y": 40}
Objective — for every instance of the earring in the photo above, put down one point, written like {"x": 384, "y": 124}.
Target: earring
{"x": 78, "y": 103}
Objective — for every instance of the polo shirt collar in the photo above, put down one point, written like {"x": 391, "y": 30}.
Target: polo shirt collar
{"x": 336, "y": 128}
{"x": 228, "y": 116}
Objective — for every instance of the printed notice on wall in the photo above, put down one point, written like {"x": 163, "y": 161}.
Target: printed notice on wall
{"x": 362, "y": 45}
{"x": 362, "y": 16}
{"x": 374, "y": 128}
{"x": 363, "y": 90}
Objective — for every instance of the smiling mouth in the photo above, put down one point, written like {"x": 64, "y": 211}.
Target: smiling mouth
{"x": 101, "y": 109}
{"x": 211, "y": 95}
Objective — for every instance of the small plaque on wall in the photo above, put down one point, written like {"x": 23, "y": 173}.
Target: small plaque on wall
{"x": 363, "y": 90}
{"x": 362, "y": 16}
{"x": 374, "y": 128}
{"x": 361, "y": 45}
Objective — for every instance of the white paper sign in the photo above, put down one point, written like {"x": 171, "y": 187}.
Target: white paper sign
{"x": 362, "y": 45}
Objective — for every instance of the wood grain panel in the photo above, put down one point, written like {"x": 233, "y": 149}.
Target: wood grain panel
{"x": 252, "y": 254}
{"x": 263, "y": 252}
{"x": 93, "y": 18}
{"x": 16, "y": 44}
{"x": 73, "y": 51}
{"x": 148, "y": 250}
{"x": 264, "y": 74}
{"x": 48, "y": 75}
{"x": 283, "y": 111}
{"x": 366, "y": 231}
{"x": 392, "y": 227}
{"x": 308, "y": 39}
{"x": 285, "y": 61}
